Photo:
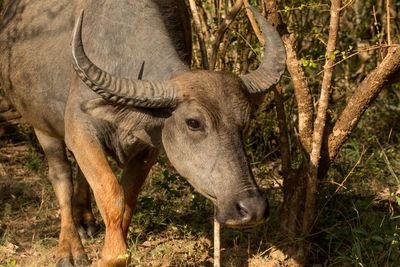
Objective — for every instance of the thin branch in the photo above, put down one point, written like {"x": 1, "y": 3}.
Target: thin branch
{"x": 366, "y": 92}
{"x": 358, "y": 52}
{"x": 254, "y": 24}
{"x": 388, "y": 21}
{"x": 199, "y": 33}
{"x": 389, "y": 165}
{"x": 377, "y": 30}
{"x": 341, "y": 185}
{"x": 221, "y": 30}
{"x": 320, "y": 121}
{"x": 346, "y": 5}
{"x": 217, "y": 240}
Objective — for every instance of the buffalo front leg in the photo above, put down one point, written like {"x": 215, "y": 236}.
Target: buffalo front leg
{"x": 108, "y": 194}
{"x": 132, "y": 181}
{"x": 82, "y": 207}
{"x": 70, "y": 250}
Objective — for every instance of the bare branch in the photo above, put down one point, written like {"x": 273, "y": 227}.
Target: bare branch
{"x": 199, "y": 33}
{"x": 217, "y": 241}
{"x": 366, "y": 92}
{"x": 388, "y": 21}
{"x": 221, "y": 30}
{"x": 320, "y": 121}
{"x": 254, "y": 24}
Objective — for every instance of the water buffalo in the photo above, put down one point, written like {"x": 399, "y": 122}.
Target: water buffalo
{"x": 123, "y": 87}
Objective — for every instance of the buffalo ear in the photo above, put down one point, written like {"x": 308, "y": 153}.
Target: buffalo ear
{"x": 100, "y": 109}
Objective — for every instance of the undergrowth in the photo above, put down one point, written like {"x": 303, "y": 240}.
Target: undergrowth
{"x": 358, "y": 220}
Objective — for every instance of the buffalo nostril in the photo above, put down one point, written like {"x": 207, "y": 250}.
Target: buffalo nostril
{"x": 242, "y": 209}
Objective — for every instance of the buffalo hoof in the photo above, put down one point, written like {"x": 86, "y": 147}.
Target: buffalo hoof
{"x": 91, "y": 229}
{"x": 81, "y": 261}
{"x": 82, "y": 232}
{"x": 65, "y": 261}
{"x": 87, "y": 230}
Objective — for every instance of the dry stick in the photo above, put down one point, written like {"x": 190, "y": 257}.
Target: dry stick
{"x": 320, "y": 121}
{"x": 339, "y": 186}
{"x": 199, "y": 32}
{"x": 346, "y": 5}
{"x": 358, "y": 51}
{"x": 390, "y": 167}
{"x": 221, "y": 30}
{"x": 217, "y": 241}
{"x": 377, "y": 29}
{"x": 388, "y": 21}
{"x": 254, "y": 24}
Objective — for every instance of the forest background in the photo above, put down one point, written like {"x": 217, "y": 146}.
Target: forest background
{"x": 324, "y": 146}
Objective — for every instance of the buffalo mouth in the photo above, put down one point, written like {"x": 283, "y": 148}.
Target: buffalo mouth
{"x": 238, "y": 225}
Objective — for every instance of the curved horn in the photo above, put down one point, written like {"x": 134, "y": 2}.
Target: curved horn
{"x": 273, "y": 64}
{"x": 146, "y": 94}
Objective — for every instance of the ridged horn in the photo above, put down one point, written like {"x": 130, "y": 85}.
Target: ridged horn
{"x": 136, "y": 93}
{"x": 273, "y": 64}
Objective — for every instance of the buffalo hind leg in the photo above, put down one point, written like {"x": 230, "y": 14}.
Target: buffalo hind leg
{"x": 70, "y": 250}
{"x": 82, "y": 207}
{"x": 132, "y": 180}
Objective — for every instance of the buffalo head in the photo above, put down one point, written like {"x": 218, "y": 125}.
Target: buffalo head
{"x": 203, "y": 136}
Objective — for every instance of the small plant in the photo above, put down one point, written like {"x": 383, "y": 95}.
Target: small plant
{"x": 34, "y": 160}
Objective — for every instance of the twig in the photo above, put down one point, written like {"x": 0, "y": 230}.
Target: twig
{"x": 217, "y": 240}
{"x": 221, "y": 30}
{"x": 199, "y": 32}
{"x": 339, "y": 186}
{"x": 366, "y": 92}
{"x": 297, "y": 8}
{"x": 377, "y": 29}
{"x": 358, "y": 52}
{"x": 249, "y": 45}
{"x": 388, "y": 21}
{"x": 254, "y": 23}
{"x": 388, "y": 163}
{"x": 346, "y": 5}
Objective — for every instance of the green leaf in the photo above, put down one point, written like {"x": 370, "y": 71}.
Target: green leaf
{"x": 333, "y": 57}
{"x": 123, "y": 257}
{"x": 398, "y": 200}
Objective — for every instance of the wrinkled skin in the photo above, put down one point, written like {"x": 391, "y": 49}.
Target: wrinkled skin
{"x": 201, "y": 133}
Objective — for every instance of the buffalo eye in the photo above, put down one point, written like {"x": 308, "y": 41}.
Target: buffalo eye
{"x": 194, "y": 125}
